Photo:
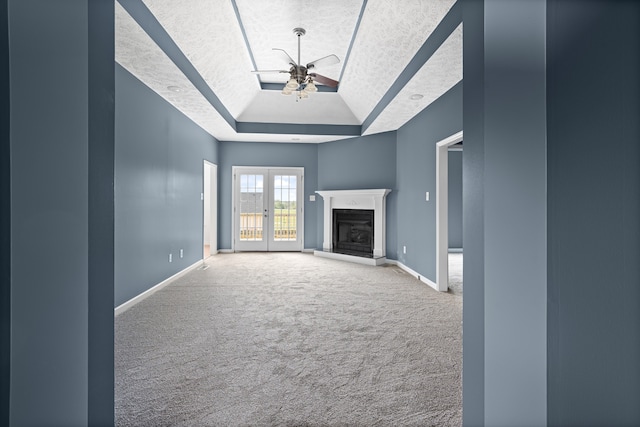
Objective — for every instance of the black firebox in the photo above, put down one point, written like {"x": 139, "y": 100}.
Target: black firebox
{"x": 353, "y": 232}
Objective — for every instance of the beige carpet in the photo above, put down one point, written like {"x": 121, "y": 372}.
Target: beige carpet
{"x": 290, "y": 339}
{"x": 455, "y": 273}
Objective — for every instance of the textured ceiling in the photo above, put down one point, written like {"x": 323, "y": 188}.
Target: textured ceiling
{"x": 384, "y": 50}
{"x": 390, "y": 34}
{"x": 329, "y": 24}
{"x": 440, "y": 73}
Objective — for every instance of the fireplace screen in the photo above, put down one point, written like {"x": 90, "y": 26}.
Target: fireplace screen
{"x": 353, "y": 231}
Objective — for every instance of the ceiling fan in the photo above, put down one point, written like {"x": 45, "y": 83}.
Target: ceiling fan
{"x": 302, "y": 80}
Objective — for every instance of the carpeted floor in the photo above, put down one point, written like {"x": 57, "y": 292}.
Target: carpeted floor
{"x": 290, "y": 339}
{"x": 455, "y": 273}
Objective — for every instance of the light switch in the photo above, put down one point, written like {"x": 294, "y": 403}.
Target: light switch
{"x": 427, "y": 196}
{"x": 312, "y": 198}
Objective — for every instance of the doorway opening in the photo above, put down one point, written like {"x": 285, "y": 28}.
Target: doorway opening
{"x": 442, "y": 213}
{"x": 268, "y": 210}
{"x": 210, "y": 210}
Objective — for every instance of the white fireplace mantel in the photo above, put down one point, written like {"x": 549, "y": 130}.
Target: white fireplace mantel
{"x": 357, "y": 199}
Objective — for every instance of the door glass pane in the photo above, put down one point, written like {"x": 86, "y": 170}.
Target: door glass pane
{"x": 284, "y": 204}
{"x": 251, "y": 207}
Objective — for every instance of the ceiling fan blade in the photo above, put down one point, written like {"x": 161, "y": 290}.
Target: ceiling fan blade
{"x": 327, "y": 60}
{"x": 289, "y": 58}
{"x": 324, "y": 80}
{"x": 268, "y": 71}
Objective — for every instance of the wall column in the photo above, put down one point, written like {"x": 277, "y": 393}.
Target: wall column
{"x": 473, "y": 214}
{"x": 505, "y": 225}
{"x": 62, "y": 107}
{"x": 5, "y": 219}
{"x": 593, "y": 64}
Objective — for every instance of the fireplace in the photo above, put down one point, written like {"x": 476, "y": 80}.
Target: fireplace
{"x": 349, "y": 240}
{"x": 353, "y": 231}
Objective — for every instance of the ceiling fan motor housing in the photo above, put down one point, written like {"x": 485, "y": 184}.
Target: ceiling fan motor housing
{"x": 299, "y": 73}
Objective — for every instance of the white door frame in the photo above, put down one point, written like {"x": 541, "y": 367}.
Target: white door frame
{"x": 300, "y": 195}
{"x": 442, "y": 210}
{"x": 210, "y": 199}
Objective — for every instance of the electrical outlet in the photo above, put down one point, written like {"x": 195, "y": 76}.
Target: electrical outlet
{"x": 404, "y": 249}
{"x": 170, "y": 257}
{"x": 181, "y": 253}
{"x": 312, "y": 198}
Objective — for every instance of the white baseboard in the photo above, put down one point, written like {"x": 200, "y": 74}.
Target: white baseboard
{"x": 133, "y": 301}
{"x": 413, "y": 273}
{"x": 230, "y": 251}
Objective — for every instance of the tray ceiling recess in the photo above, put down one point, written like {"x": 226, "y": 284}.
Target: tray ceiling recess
{"x": 302, "y": 78}
{"x": 393, "y": 60}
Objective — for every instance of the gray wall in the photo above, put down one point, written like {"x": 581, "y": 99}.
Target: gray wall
{"x": 505, "y": 153}
{"x": 159, "y": 179}
{"x": 266, "y": 154}
{"x": 358, "y": 163}
{"x": 62, "y": 89}
{"x": 594, "y": 212}
{"x": 473, "y": 214}
{"x": 515, "y": 213}
{"x": 416, "y": 174}
{"x": 366, "y": 162}
{"x": 455, "y": 199}
{"x": 5, "y": 218}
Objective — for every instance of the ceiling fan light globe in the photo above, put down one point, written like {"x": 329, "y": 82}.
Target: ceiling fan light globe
{"x": 303, "y": 94}
{"x": 292, "y": 84}
{"x": 286, "y": 91}
{"x": 311, "y": 87}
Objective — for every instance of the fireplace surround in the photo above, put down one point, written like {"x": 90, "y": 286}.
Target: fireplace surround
{"x": 356, "y": 200}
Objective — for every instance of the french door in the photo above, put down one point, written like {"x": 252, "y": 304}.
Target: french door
{"x": 268, "y": 209}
